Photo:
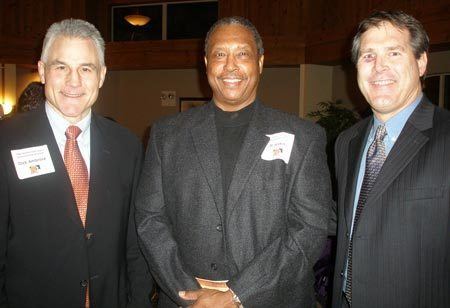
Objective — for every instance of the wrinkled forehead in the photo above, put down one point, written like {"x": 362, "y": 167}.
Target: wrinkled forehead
{"x": 385, "y": 34}
{"x": 72, "y": 46}
{"x": 387, "y": 28}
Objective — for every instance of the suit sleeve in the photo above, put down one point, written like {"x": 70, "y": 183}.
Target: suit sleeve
{"x": 332, "y": 224}
{"x": 4, "y": 226}
{"x": 140, "y": 282}
{"x": 155, "y": 231}
{"x": 286, "y": 263}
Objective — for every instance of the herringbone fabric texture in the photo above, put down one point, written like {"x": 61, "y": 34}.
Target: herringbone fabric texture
{"x": 376, "y": 155}
{"x": 78, "y": 174}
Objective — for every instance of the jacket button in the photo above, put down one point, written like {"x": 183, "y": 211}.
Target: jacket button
{"x": 342, "y": 274}
{"x": 214, "y": 266}
{"x": 219, "y": 228}
{"x": 84, "y": 283}
{"x": 347, "y": 234}
{"x": 89, "y": 236}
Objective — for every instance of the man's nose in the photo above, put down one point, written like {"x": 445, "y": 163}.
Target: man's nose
{"x": 74, "y": 78}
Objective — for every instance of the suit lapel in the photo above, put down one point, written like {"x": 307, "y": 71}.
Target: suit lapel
{"x": 252, "y": 147}
{"x": 62, "y": 185}
{"x": 100, "y": 171}
{"x": 204, "y": 136}
{"x": 355, "y": 153}
{"x": 410, "y": 141}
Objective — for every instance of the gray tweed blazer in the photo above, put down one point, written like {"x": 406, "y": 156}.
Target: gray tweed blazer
{"x": 267, "y": 235}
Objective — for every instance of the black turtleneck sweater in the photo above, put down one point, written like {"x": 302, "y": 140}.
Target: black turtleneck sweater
{"x": 231, "y": 129}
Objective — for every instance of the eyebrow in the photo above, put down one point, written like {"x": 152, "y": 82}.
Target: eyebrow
{"x": 238, "y": 46}
{"x": 59, "y": 62}
{"x": 55, "y": 62}
{"x": 396, "y": 47}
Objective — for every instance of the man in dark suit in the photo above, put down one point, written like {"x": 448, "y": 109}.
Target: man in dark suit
{"x": 67, "y": 231}
{"x": 393, "y": 171}
{"x": 234, "y": 195}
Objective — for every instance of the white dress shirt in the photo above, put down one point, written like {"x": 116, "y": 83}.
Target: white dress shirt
{"x": 59, "y": 126}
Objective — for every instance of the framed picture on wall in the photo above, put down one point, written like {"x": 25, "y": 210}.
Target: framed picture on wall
{"x": 192, "y": 102}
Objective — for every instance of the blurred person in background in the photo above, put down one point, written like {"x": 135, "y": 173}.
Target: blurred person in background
{"x": 32, "y": 97}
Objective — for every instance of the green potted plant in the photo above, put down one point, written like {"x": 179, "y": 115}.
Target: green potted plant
{"x": 334, "y": 118}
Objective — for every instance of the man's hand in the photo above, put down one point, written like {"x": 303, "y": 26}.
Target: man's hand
{"x": 209, "y": 298}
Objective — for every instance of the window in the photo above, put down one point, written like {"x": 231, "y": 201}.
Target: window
{"x": 174, "y": 20}
{"x": 122, "y": 30}
{"x": 437, "y": 89}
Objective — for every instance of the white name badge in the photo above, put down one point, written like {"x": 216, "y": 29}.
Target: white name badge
{"x": 34, "y": 161}
{"x": 279, "y": 147}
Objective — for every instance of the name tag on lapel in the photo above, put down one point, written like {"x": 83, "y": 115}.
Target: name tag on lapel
{"x": 279, "y": 147}
{"x": 31, "y": 162}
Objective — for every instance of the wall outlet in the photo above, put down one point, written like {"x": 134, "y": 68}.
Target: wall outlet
{"x": 168, "y": 98}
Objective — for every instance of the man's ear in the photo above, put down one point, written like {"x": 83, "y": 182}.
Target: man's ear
{"x": 422, "y": 63}
{"x": 41, "y": 71}
{"x": 102, "y": 76}
{"x": 261, "y": 63}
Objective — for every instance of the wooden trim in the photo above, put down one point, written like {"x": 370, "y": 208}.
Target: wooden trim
{"x": 279, "y": 51}
{"x": 154, "y": 54}
{"x": 331, "y": 53}
{"x": 283, "y": 51}
{"x": 294, "y": 31}
{"x": 18, "y": 51}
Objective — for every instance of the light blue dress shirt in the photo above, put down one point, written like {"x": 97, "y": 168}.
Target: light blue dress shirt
{"x": 394, "y": 127}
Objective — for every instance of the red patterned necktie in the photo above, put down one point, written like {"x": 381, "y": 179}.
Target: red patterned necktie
{"x": 78, "y": 174}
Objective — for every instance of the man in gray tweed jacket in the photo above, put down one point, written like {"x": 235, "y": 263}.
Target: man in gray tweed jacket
{"x": 233, "y": 203}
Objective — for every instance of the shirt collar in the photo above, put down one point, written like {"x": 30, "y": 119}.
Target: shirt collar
{"x": 59, "y": 124}
{"x": 394, "y": 125}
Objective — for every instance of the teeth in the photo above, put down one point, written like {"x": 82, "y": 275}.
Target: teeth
{"x": 73, "y": 95}
{"x": 382, "y": 82}
{"x": 231, "y": 80}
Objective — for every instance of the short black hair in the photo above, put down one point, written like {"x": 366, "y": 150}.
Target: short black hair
{"x": 236, "y": 20}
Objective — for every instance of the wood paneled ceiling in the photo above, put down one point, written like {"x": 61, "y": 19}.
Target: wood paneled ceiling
{"x": 293, "y": 31}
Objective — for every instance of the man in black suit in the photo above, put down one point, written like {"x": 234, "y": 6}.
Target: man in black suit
{"x": 393, "y": 171}
{"x": 67, "y": 231}
{"x": 234, "y": 196}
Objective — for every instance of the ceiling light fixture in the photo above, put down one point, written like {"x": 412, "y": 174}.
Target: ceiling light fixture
{"x": 137, "y": 20}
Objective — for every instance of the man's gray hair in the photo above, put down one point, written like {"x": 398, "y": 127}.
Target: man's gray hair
{"x": 74, "y": 28}
{"x": 236, "y": 20}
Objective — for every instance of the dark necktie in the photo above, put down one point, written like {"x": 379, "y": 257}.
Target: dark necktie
{"x": 78, "y": 174}
{"x": 376, "y": 155}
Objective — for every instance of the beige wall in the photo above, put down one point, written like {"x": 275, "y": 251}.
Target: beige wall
{"x": 316, "y": 86}
{"x": 133, "y": 97}
{"x": 280, "y": 88}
